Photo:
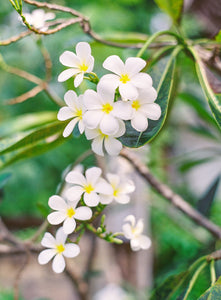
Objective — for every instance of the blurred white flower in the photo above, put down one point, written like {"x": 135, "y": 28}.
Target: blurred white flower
{"x": 67, "y": 212}
{"x": 38, "y": 17}
{"x": 103, "y": 141}
{"x": 121, "y": 189}
{"x": 103, "y": 112}
{"x": 128, "y": 76}
{"x": 133, "y": 231}
{"x": 91, "y": 185}
{"x": 80, "y": 63}
{"x": 74, "y": 110}
{"x": 144, "y": 108}
{"x": 57, "y": 249}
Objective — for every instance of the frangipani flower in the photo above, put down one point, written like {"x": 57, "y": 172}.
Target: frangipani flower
{"x": 103, "y": 141}
{"x": 67, "y": 212}
{"x": 133, "y": 231}
{"x": 57, "y": 249}
{"x": 127, "y": 76}
{"x": 90, "y": 185}
{"x": 79, "y": 64}
{"x": 144, "y": 108}
{"x": 120, "y": 190}
{"x": 38, "y": 17}
{"x": 74, "y": 110}
{"x": 103, "y": 112}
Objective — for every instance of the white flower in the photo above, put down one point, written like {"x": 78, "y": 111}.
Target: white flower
{"x": 67, "y": 212}
{"x": 133, "y": 232}
{"x": 38, "y": 17}
{"x": 144, "y": 108}
{"x": 74, "y": 110}
{"x": 90, "y": 185}
{"x": 103, "y": 141}
{"x": 79, "y": 64}
{"x": 128, "y": 76}
{"x": 103, "y": 112}
{"x": 57, "y": 249}
{"x": 120, "y": 190}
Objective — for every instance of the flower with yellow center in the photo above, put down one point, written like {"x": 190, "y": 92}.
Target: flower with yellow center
{"x": 90, "y": 186}
{"x": 67, "y": 212}
{"x": 80, "y": 63}
{"x": 57, "y": 249}
{"x": 127, "y": 77}
{"x": 74, "y": 111}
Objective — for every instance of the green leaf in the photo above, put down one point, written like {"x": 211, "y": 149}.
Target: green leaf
{"x": 171, "y": 7}
{"x": 191, "y": 163}
{"x": 213, "y": 293}
{"x": 214, "y": 100}
{"x": 133, "y": 138}
{"x": 4, "y": 179}
{"x": 218, "y": 37}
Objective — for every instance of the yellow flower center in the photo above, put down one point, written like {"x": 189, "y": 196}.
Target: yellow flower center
{"x": 60, "y": 248}
{"x": 83, "y": 67}
{"x": 124, "y": 78}
{"x": 136, "y": 104}
{"x": 102, "y": 134}
{"x": 116, "y": 192}
{"x": 107, "y": 108}
{"x": 79, "y": 113}
{"x": 88, "y": 188}
{"x": 70, "y": 212}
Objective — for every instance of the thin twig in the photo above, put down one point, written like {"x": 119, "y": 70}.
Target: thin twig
{"x": 28, "y": 95}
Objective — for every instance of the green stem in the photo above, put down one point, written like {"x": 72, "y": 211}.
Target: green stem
{"x": 13, "y": 4}
{"x": 194, "y": 278}
{"x": 212, "y": 272}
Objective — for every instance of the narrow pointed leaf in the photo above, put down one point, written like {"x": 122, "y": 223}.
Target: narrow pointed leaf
{"x": 171, "y": 7}
{"x": 213, "y": 293}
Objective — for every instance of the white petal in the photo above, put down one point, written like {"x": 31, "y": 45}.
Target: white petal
{"x": 90, "y": 63}
{"x": 131, "y": 219}
{"x": 109, "y": 82}
{"x": 127, "y": 230}
{"x": 92, "y": 175}
{"x": 56, "y": 217}
{"x": 45, "y": 256}
{"x": 128, "y": 91}
{"x": 113, "y": 179}
{"x": 122, "y": 110}
{"x": 74, "y": 193}
{"x": 69, "y": 59}
{"x": 69, "y": 225}
{"x": 106, "y": 199}
{"x": 112, "y": 146}
{"x": 66, "y": 74}
{"x": 139, "y": 122}
{"x": 70, "y": 98}
{"x": 127, "y": 187}
{"x": 147, "y": 95}
{"x": 139, "y": 227}
{"x": 135, "y": 245}
{"x": 70, "y": 127}
{"x": 142, "y": 80}
{"x": 114, "y": 64}
{"x": 76, "y": 178}
{"x": 109, "y": 125}
{"x": 106, "y": 93}
{"x": 91, "y": 199}
{"x": 91, "y": 133}
{"x": 71, "y": 250}
{"x": 83, "y": 50}
{"x": 92, "y": 100}
{"x": 123, "y": 199}
{"x": 122, "y": 129}
{"x": 57, "y": 203}
{"x": 60, "y": 236}
{"x": 97, "y": 145}
{"x": 78, "y": 79}
{"x": 92, "y": 118}
{"x": 144, "y": 241}
{"x": 83, "y": 213}
{"x": 81, "y": 126}
{"x": 58, "y": 263}
{"x": 152, "y": 111}
{"x": 103, "y": 187}
{"x": 133, "y": 65}
{"x": 48, "y": 240}
{"x": 65, "y": 113}
{"x": 49, "y": 16}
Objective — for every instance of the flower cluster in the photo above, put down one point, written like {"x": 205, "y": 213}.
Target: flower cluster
{"x": 125, "y": 95}
{"x": 38, "y": 18}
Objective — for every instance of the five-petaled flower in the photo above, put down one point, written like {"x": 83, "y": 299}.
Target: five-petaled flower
{"x": 121, "y": 189}
{"x": 91, "y": 185}
{"x": 74, "y": 110}
{"x": 127, "y": 76}
{"x": 38, "y": 17}
{"x": 67, "y": 212}
{"x": 57, "y": 249}
{"x": 133, "y": 231}
{"x": 79, "y": 64}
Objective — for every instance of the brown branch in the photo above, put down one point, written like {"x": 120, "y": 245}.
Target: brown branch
{"x": 214, "y": 255}
{"x": 30, "y": 94}
{"x": 167, "y": 193}
{"x": 15, "y": 38}
{"x": 19, "y": 274}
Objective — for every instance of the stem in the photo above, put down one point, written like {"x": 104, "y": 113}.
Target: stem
{"x": 193, "y": 280}
{"x": 212, "y": 272}
{"x": 13, "y": 4}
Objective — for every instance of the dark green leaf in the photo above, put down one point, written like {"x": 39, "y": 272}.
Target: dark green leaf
{"x": 172, "y": 8}
{"x": 43, "y": 209}
{"x": 4, "y": 179}
{"x": 213, "y": 293}
{"x": 189, "y": 164}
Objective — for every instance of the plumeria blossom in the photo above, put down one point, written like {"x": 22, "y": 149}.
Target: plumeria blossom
{"x": 90, "y": 185}
{"x": 38, "y": 17}
{"x": 103, "y": 141}
{"x": 133, "y": 231}
{"x": 74, "y": 111}
{"x": 121, "y": 189}
{"x": 103, "y": 112}
{"x": 66, "y": 211}
{"x": 80, "y": 63}
{"x": 57, "y": 249}
{"x": 144, "y": 108}
{"x": 127, "y": 76}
